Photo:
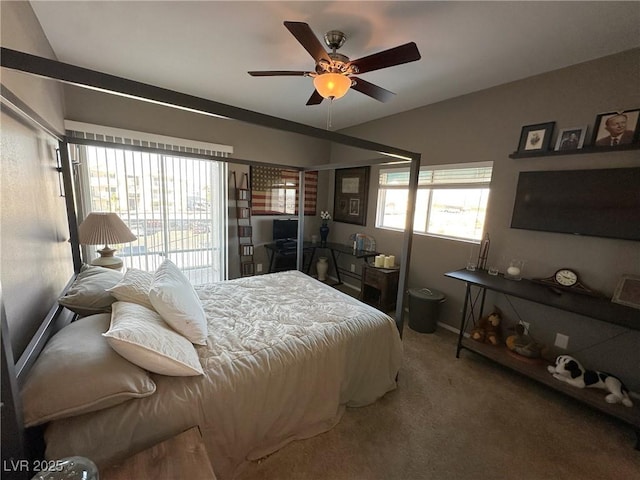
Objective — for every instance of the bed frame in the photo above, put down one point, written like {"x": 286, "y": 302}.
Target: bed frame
{"x": 17, "y": 444}
{"x": 21, "y": 446}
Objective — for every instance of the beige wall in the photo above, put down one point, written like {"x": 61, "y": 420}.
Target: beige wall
{"x": 35, "y": 258}
{"x": 485, "y": 126}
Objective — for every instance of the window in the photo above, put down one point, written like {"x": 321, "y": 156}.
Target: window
{"x": 175, "y": 205}
{"x": 451, "y": 200}
{"x": 172, "y": 197}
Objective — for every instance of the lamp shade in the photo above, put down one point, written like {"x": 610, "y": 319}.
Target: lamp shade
{"x": 103, "y": 228}
{"x": 332, "y": 85}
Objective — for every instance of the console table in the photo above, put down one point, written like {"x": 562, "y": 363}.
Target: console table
{"x": 597, "y": 308}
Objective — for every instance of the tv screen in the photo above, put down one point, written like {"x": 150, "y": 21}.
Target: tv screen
{"x": 285, "y": 229}
{"x": 600, "y": 203}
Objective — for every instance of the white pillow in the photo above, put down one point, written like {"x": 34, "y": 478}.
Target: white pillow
{"x": 134, "y": 287}
{"x": 78, "y": 372}
{"x": 143, "y": 338}
{"x": 175, "y": 299}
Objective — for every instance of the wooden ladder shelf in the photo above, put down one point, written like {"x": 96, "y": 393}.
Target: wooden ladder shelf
{"x": 243, "y": 221}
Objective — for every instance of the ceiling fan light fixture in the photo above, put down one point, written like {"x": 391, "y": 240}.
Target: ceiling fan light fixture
{"x": 332, "y": 85}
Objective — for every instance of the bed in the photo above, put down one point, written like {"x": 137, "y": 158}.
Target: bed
{"x": 284, "y": 355}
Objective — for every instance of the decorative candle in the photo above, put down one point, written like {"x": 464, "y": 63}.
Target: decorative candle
{"x": 389, "y": 261}
{"x": 379, "y": 261}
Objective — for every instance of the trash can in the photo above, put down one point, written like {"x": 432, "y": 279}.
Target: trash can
{"x": 424, "y": 309}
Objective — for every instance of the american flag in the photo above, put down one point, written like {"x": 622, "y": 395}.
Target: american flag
{"x": 274, "y": 191}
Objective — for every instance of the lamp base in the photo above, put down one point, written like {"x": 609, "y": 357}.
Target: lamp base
{"x": 114, "y": 263}
{"x": 107, "y": 259}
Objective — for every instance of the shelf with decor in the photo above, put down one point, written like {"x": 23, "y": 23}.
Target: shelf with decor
{"x": 580, "y": 151}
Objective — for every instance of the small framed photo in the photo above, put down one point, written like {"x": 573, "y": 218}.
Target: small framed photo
{"x": 354, "y": 206}
{"x": 628, "y": 291}
{"x": 536, "y": 138}
{"x": 571, "y": 138}
{"x": 350, "y": 196}
{"x": 616, "y": 128}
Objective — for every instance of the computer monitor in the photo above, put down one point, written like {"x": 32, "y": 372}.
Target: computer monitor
{"x": 285, "y": 229}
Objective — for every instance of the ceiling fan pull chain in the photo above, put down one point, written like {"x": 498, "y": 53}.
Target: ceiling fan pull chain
{"x": 329, "y": 113}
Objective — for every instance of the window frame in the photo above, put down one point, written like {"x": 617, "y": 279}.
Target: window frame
{"x": 430, "y": 183}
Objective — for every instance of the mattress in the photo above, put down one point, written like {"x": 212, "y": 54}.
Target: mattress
{"x": 285, "y": 355}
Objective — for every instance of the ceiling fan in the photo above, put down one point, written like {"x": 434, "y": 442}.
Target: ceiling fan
{"x": 335, "y": 73}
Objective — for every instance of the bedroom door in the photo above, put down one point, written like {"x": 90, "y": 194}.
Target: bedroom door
{"x": 174, "y": 204}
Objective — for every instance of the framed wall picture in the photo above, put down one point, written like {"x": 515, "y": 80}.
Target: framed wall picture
{"x": 628, "y": 291}
{"x": 351, "y": 193}
{"x": 616, "y": 128}
{"x": 571, "y": 138}
{"x": 536, "y": 138}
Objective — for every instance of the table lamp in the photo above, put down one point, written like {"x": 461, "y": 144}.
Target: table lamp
{"x": 103, "y": 228}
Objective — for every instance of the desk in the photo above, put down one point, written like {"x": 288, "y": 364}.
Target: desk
{"x": 597, "y": 308}
{"x": 288, "y": 251}
{"x": 279, "y": 250}
{"x": 340, "y": 249}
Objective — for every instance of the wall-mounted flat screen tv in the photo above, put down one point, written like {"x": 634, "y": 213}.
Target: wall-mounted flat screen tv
{"x": 285, "y": 229}
{"x": 599, "y": 203}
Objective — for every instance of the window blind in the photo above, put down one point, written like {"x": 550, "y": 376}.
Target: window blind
{"x": 174, "y": 204}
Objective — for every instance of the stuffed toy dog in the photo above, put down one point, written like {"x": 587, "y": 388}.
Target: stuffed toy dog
{"x": 567, "y": 369}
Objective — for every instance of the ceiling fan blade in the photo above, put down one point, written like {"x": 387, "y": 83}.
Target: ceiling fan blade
{"x": 308, "y": 40}
{"x": 372, "y": 90}
{"x": 388, "y": 58}
{"x": 279, "y": 73}
{"x": 315, "y": 99}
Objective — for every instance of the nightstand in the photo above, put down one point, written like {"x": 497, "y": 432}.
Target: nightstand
{"x": 379, "y": 287}
{"x": 182, "y": 456}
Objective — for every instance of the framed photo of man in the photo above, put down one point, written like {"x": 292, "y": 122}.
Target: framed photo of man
{"x": 571, "y": 138}
{"x": 351, "y": 192}
{"x": 616, "y": 128}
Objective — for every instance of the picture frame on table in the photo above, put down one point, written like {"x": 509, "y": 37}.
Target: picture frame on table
{"x": 536, "y": 138}
{"x": 350, "y": 195}
{"x": 571, "y": 138}
{"x": 614, "y": 129}
{"x": 628, "y": 291}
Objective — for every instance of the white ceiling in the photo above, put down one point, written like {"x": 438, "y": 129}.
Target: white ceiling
{"x": 205, "y": 48}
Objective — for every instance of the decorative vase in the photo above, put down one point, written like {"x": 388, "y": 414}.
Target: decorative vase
{"x": 324, "y": 232}
{"x": 322, "y": 266}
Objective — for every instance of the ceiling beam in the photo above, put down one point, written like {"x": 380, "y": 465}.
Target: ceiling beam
{"x": 93, "y": 79}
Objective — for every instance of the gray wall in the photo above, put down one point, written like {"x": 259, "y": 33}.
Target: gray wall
{"x": 486, "y": 126}
{"x": 249, "y": 142}
{"x": 35, "y": 258}
{"x": 476, "y": 127}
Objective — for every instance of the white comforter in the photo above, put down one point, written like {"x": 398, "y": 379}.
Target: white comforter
{"x": 285, "y": 355}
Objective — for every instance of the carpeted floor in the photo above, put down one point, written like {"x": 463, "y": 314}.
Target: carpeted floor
{"x": 465, "y": 418}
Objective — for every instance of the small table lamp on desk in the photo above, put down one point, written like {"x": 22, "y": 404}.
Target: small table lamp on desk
{"x": 103, "y": 228}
